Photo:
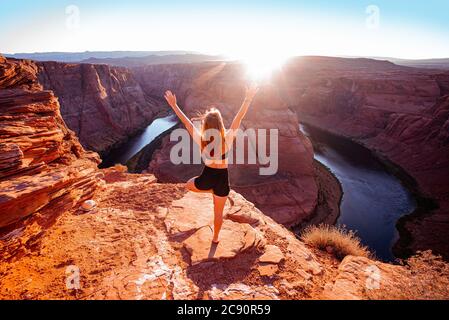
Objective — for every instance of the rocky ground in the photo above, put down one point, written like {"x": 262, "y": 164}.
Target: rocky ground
{"x": 146, "y": 240}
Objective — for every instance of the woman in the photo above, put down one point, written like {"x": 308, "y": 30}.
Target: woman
{"x": 214, "y": 178}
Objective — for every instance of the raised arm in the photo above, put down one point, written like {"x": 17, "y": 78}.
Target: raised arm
{"x": 171, "y": 99}
{"x": 249, "y": 95}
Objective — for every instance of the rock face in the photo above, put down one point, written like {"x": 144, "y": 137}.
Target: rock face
{"x": 103, "y": 105}
{"x": 289, "y": 196}
{"x": 43, "y": 168}
{"x": 401, "y": 113}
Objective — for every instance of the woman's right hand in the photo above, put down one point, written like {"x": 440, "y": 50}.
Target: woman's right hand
{"x": 171, "y": 98}
{"x": 251, "y": 92}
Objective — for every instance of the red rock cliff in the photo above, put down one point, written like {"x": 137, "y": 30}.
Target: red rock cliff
{"x": 43, "y": 168}
{"x": 103, "y": 105}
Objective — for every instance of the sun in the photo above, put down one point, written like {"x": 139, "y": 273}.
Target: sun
{"x": 260, "y": 66}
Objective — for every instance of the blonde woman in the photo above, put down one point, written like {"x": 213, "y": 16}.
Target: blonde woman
{"x": 214, "y": 177}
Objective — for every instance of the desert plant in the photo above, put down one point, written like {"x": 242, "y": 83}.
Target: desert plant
{"x": 120, "y": 167}
{"x": 336, "y": 240}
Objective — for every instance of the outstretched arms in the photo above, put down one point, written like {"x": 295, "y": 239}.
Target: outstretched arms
{"x": 250, "y": 93}
{"x": 171, "y": 99}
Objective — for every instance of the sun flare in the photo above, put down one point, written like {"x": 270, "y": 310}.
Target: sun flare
{"x": 260, "y": 66}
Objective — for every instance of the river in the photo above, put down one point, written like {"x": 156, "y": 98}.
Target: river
{"x": 373, "y": 199}
{"x": 125, "y": 152}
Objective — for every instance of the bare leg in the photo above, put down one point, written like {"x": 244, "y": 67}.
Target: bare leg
{"x": 190, "y": 185}
{"x": 219, "y": 203}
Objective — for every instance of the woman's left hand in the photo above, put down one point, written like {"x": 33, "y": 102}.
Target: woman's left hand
{"x": 251, "y": 92}
{"x": 171, "y": 98}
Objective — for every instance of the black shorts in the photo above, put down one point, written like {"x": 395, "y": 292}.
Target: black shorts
{"x": 213, "y": 179}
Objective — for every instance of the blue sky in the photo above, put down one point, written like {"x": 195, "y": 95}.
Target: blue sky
{"x": 399, "y": 28}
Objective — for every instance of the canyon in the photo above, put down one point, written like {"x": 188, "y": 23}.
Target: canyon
{"x": 147, "y": 237}
{"x": 398, "y": 112}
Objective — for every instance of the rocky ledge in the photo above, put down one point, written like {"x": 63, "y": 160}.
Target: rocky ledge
{"x": 146, "y": 240}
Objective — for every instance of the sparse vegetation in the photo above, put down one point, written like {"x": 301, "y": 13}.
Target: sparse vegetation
{"x": 336, "y": 240}
{"x": 120, "y": 168}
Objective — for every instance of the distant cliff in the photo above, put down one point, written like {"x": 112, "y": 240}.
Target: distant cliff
{"x": 103, "y": 105}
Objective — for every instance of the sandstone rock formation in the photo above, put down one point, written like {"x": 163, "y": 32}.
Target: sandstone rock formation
{"x": 103, "y": 105}
{"x": 289, "y": 196}
{"x": 400, "y": 113}
{"x": 43, "y": 168}
{"x": 358, "y": 278}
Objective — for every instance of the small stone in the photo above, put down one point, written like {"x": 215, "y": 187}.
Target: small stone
{"x": 305, "y": 275}
{"x": 267, "y": 269}
{"x": 88, "y": 205}
{"x": 272, "y": 255}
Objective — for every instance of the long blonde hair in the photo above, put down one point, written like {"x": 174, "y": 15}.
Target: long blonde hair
{"x": 212, "y": 119}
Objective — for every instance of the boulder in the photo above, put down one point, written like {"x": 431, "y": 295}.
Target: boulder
{"x": 235, "y": 239}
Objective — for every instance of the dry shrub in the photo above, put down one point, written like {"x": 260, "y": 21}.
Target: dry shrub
{"x": 336, "y": 240}
{"x": 120, "y": 168}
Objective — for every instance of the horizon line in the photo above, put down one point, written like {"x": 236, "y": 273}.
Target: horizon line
{"x": 223, "y": 55}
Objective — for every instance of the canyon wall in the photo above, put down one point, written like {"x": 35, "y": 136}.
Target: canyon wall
{"x": 103, "y": 105}
{"x": 43, "y": 168}
{"x": 290, "y": 195}
{"x": 400, "y": 113}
